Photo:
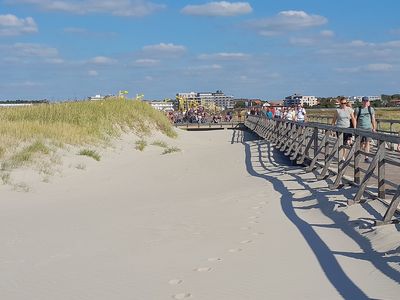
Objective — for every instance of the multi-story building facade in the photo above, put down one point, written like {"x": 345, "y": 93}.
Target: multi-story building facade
{"x": 299, "y": 99}
{"x": 217, "y": 98}
{"x": 162, "y": 105}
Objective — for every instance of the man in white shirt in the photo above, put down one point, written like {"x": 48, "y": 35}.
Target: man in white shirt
{"x": 300, "y": 114}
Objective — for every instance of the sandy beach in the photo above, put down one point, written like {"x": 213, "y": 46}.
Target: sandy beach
{"x": 226, "y": 218}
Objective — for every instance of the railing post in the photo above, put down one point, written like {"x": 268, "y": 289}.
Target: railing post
{"x": 381, "y": 170}
{"x": 357, "y": 157}
{"x": 391, "y": 130}
{"x": 326, "y": 146}
{"x": 315, "y": 141}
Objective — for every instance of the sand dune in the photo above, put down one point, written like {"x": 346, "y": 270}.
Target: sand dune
{"x": 225, "y": 218}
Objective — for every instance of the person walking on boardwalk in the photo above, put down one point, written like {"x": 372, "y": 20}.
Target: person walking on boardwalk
{"x": 344, "y": 118}
{"x": 365, "y": 118}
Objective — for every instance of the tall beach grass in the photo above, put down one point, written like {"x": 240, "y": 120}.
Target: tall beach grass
{"x": 76, "y": 123}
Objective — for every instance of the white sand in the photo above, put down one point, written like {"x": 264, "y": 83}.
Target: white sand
{"x": 219, "y": 220}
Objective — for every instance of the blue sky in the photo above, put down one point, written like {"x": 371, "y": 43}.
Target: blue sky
{"x": 61, "y": 50}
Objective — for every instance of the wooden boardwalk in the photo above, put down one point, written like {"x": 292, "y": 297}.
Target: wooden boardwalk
{"x": 317, "y": 147}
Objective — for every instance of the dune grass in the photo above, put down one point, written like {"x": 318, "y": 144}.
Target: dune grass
{"x": 140, "y": 145}
{"x": 79, "y": 123}
{"x": 171, "y": 150}
{"x": 74, "y": 123}
{"x": 161, "y": 144}
{"x": 25, "y": 155}
{"x": 90, "y": 153}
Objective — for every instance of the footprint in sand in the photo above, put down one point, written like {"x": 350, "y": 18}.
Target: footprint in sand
{"x": 253, "y": 222}
{"x": 257, "y": 233}
{"x": 175, "y": 281}
{"x": 246, "y": 242}
{"x": 235, "y": 250}
{"x": 256, "y": 207}
{"x": 214, "y": 259}
{"x": 182, "y": 296}
{"x": 203, "y": 269}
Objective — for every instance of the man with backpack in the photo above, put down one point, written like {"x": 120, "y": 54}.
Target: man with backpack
{"x": 365, "y": 120}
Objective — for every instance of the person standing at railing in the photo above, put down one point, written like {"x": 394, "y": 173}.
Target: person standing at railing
{"x": 300, "y": 114}
{"x": 365, "y": 116}
{"x": 290, "y": 116}
{"x": 344, "y": 118}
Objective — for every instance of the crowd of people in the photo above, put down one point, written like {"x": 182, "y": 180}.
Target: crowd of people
{"x": 293, "y": 113}
{"x": 198, "y": 115}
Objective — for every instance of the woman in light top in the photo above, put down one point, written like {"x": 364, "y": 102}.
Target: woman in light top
{"x": 344, "y": 118}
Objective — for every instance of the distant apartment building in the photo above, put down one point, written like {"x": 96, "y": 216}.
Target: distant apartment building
{"x": 299, "y": 99}
{"x": 217, "y": 98}
{"x": 96, "y": 97}
{"x": 161, "y": 105}
{"x": 359, "y": 98}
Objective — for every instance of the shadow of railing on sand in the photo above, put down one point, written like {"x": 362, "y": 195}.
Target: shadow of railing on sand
{"x": 265, "y": 162}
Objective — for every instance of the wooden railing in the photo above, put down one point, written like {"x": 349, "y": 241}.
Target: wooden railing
{"x": 318, "y": 147}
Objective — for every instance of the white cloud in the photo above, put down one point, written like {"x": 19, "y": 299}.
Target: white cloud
{"x": 327, "y": 33}
{"x": 127, "y": 8}
{"x": 378, "y": 67}
{"x": 93, "y": 73}
{"x": 360, "y": 43}
{"x": 12, "y": 25}
{"x": 34, "y": 50}
{"x": 147, "y": 62}
{"x": 165, "y": 49}
{"x": 102, "y": 60}
{"x": 205, "y": 67}
{"x": 225, "y": 56}
{"x": 222, "y": 8}
{"x": 290, "y": 20}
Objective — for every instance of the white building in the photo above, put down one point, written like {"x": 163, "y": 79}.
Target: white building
{"x": 359, "y": 98}
{"x": 204, "y": 98}
{"x": 299, "y": 99}
{"x": 161, "y": 105}
{"x": 96, "y": 97}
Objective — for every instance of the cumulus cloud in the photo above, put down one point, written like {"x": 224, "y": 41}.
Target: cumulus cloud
{"x": 222, "y": 8}
{"x": 225, "y": 56}
{"x": 12, "y": 25}
{"x": 102, "y": 60}
{"x": 290, "y": 20}
{"x": 168, "y": 49}
{"x": 127, "y": 8}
